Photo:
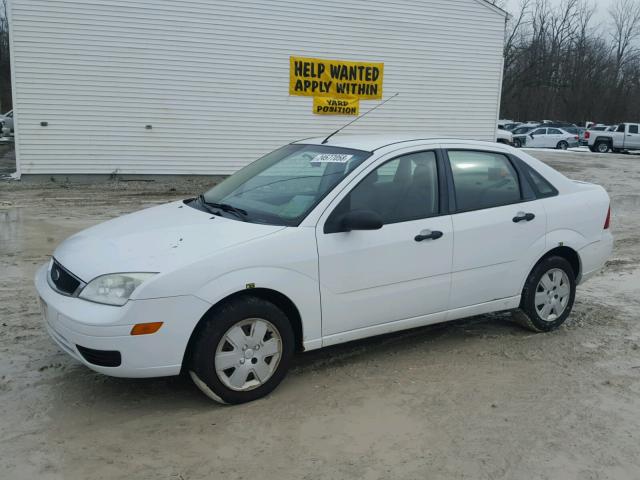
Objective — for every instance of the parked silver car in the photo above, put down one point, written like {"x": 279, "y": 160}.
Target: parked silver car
{"x": 7, "y": 123}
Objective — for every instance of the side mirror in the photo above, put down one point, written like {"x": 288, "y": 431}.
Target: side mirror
{"x": 531, "y": 135}
{"x": 356, "y": 220}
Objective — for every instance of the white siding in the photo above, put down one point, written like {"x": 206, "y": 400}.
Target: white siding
{"x": 212, "y": 77}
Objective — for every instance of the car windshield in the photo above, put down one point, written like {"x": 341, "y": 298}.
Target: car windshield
{"x": 282, "y": 187}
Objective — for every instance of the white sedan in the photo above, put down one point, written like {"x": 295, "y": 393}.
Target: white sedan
{"x": 320, "y": 243}
{"x": 544, "y": 137}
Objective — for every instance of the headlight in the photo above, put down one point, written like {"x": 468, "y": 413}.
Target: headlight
{"x": 114, "y": 288}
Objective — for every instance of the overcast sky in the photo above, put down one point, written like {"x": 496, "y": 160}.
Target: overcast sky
{"x": 600, "y": 17}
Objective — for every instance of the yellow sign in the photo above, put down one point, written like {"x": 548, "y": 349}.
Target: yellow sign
{"x": 314, "y": 77}
{"x": 336, "y": 106}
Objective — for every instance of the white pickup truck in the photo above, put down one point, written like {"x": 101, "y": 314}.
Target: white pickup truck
{"x": 625, "y": 137}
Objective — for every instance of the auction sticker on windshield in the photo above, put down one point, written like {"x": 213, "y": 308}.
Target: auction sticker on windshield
{"x": 331, "y": 158}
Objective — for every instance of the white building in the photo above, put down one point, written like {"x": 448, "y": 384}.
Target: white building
{"x": 201, "y": 87}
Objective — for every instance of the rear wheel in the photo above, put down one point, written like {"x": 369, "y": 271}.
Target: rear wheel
{"x": 548, "y": 295}
{"x": 602, "y": 147}
{"x": 243, "y": 351}
{"x": 562, "y": 145}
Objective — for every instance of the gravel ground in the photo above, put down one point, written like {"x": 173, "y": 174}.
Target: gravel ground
{"x": 480, "y": 398}
{"x": 7, "y": 159}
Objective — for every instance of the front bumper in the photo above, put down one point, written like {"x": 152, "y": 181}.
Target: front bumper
{"x": 73, "y": 322}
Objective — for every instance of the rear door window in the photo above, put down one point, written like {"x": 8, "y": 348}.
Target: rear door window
{"x": 483, "y": 180}
{"x": 633, "y": 128}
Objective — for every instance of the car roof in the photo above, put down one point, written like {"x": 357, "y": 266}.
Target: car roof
{"x": 370, "y": 143}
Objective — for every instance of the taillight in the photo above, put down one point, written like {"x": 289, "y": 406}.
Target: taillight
{"x": 587, "y": 134}
{"x": 607, "y": 222}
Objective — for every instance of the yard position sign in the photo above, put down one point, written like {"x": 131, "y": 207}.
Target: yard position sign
{"x": 337, "y": 85}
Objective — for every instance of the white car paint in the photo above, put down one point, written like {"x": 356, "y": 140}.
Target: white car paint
{"x": 345, "y": 285}
{"x": 504, "y": 136}
{"x": 548, "y": 137}
{"x": 625, "y": 136}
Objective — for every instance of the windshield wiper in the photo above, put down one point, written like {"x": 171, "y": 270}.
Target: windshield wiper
{"x": 225, "y": 207}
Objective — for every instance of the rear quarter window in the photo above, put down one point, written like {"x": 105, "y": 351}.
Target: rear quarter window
{"x": 541, "y": 185}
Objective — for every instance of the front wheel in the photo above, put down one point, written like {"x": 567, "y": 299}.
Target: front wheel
{"x": 562, "y": 145}
{"x": 243, "y": 351}
{"x": 517, "y": 143}
{"x": 548, "y": 295}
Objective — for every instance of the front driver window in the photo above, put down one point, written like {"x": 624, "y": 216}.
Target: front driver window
{"x": 403, "y": 189}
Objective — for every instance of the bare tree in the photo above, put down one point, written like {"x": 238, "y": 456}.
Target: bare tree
{"x": 498, "y": 3}
{"x": 558, "y": 65}
{"x": 625, "y": 16}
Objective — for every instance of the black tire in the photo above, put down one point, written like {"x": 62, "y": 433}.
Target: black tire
{"x": 517, "y": 143}
{"x": 562, "y": 145}
{"x": 602, "y": 147}
{"x": 592, "y": 148}
{"x": 218, "y": 322}
{"x": 528, "y": 314}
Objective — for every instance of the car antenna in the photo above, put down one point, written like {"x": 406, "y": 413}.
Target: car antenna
{"x": 358, "y": 118}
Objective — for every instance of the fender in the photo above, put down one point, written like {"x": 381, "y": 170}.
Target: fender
{"x": 559, "y": 238}
{"x": 302, "y": 290}
{"x": 603, "y": 139}
{"x": 566, "y": 238}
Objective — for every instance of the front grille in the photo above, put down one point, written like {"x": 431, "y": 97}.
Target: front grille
{"x": 102, "y": 358}
{"x": 62, "y": 280}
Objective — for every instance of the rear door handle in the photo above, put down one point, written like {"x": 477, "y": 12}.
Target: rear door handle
{"x": 428, "y": 235}
{"x": 521, "y": 216}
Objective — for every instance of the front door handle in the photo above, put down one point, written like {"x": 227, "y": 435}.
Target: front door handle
{"x": 520, "y": 216}
{"x": 428, "y": 235}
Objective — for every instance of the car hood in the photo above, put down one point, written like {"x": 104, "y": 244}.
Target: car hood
{"x": 157, "y": 239}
